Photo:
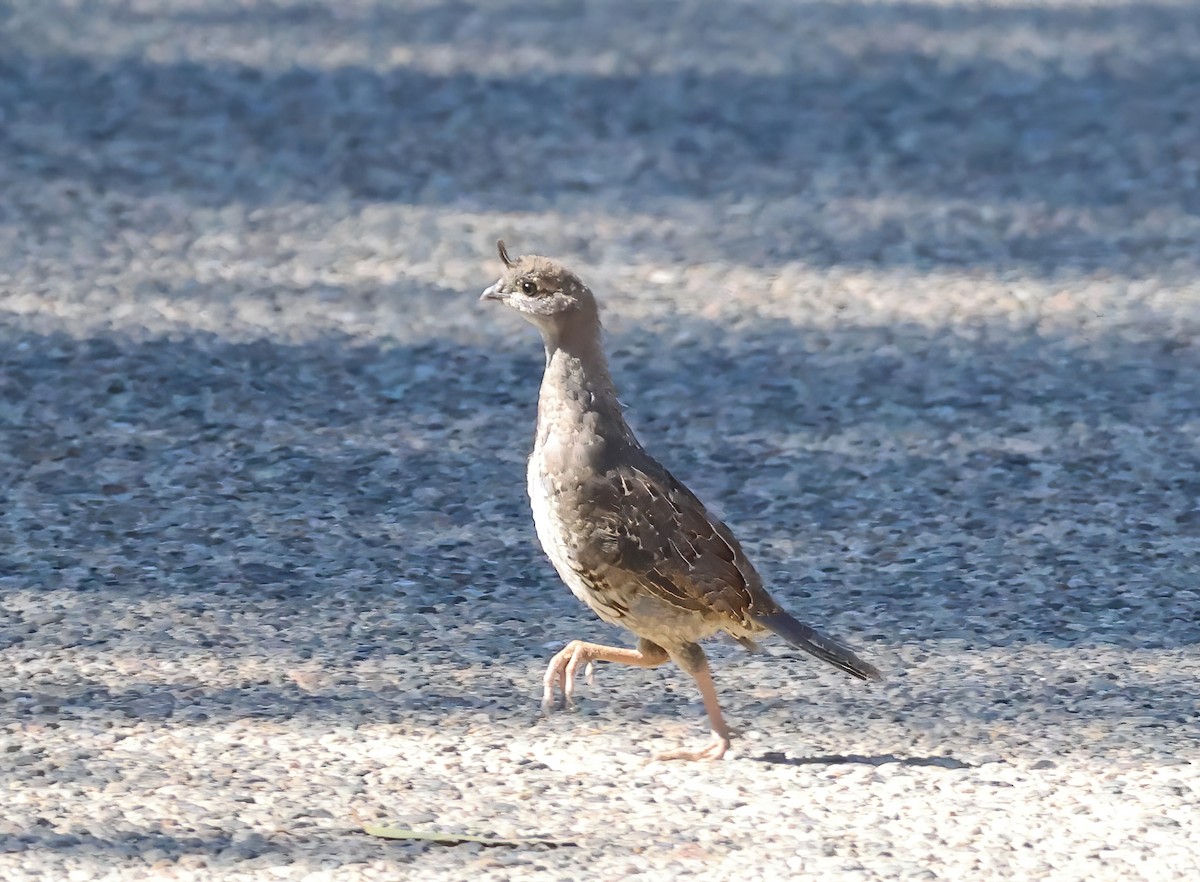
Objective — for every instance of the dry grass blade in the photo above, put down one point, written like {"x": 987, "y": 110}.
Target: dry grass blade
{"x": 443, "y": 838}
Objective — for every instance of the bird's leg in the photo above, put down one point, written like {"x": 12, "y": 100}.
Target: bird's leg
{"x": 561, "y": 671}
{"x": 692, "y": 660}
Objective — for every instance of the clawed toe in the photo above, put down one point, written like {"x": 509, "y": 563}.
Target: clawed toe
{"x": 561, "y": 673}
{"x": 714, "y": 750}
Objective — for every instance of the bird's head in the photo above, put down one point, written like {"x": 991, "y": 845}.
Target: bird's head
{"x": 544, "y": 292}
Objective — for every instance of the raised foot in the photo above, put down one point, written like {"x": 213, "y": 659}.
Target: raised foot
{"x": 714, "y": 750}
{"x": 561, "y": 672}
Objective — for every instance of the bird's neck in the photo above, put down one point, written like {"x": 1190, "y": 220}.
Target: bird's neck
{"x": 577, "y": 389}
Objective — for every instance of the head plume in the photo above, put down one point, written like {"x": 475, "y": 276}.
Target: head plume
{"x": 504, "y": 258}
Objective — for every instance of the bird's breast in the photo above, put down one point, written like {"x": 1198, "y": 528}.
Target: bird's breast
{"x": 554, "y": 497}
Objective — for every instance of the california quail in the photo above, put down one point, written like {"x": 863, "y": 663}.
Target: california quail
{"x": 630, "y": 540}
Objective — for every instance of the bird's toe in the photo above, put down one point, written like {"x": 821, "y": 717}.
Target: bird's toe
{"x": 714, "y": 750}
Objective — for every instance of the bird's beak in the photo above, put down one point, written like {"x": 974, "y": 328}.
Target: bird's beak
{"x": 492, "y": 293}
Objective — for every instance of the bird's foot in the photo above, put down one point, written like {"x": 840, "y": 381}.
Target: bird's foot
{"x": 561, "y": 672}
{"x": 714, "y": 750}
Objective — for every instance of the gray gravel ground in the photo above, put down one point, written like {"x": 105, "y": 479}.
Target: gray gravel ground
{"x": 908, "y": 290}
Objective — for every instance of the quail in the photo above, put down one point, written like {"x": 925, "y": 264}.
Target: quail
{"x": 628, "y": 539}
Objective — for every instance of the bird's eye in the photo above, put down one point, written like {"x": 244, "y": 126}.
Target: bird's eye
{"x": 528, "y": 287}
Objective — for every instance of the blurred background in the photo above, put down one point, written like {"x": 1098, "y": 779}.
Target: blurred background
{"x": 907, "y": 290}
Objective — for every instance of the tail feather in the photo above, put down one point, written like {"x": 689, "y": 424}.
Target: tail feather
{"x": 817, "y": 644}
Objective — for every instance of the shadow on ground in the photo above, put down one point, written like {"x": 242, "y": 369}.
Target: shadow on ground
{"x": 1023, "y": 488}
{"x": 1034, "y": 156}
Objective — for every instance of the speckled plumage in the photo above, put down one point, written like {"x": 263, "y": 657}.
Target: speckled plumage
{"x": 627, "y": 538}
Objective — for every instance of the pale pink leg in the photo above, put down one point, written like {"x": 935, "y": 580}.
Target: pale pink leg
{"x": 719, "y": 742}
{"x": 561, "y": 671}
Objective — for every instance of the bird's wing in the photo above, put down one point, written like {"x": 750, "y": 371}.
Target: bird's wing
{"x": 647, "y": 524}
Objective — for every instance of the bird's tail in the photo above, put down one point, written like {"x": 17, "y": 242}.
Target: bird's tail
{"x": 817, "y": 644}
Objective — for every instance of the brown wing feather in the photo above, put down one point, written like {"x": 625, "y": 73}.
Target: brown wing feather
{"x": 652, "y": 527}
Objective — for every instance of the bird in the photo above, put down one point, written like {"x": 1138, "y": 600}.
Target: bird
{"x": 628, "y": 539}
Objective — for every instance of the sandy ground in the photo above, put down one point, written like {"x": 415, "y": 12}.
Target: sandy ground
{"x": 907, "y": 291}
